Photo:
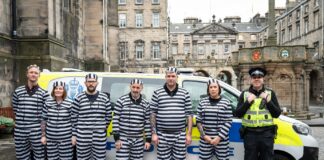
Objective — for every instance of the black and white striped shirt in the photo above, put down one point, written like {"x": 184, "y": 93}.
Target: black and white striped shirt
{"x": 58, "y": 119}
{"x": 28, "y": 104}
{"x": 215, "y": 115}
{"x": 171, "y": 108}
{"x": 88, "y": 114}
{"x": 131, "y": 117}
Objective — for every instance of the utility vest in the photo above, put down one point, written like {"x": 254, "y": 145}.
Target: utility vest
{"x": 256, "y": 115}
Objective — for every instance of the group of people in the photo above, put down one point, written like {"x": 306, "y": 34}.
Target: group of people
{"x": 56, "y": 123}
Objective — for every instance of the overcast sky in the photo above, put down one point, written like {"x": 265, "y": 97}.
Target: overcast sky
{"x": 204, "y": 9}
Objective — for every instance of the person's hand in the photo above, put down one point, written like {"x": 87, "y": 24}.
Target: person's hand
{"x": 73, "y": 140}
{"x": 207, "y": 139}
{"x": 188, "y": 139}
{"x": 147, "y": 145}
{"x": 215, "y": 141}
{"x": 155, "y": 139}
{"x": 118, "y": 144}
{"x": 265, "y": 96}
{"x": 43, "y": 140}
{"x": 251, "y": 97}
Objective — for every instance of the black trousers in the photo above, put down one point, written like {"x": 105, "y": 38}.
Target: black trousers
{"x": 259, "y": 145}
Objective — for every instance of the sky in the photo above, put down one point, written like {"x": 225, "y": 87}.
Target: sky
{"x": 205, "y": 9}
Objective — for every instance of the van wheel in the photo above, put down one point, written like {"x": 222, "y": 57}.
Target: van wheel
{"x": 281, "y": 157}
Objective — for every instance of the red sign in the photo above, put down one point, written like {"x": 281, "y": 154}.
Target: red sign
{"x": 256, "y": 55}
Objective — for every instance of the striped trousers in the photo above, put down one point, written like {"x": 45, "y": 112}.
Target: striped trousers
{"x": 59, "y": 150}
{"x": 91, "y": 144}
{"x": 131, "y": 149}
{"x": 221, "y": 150}
{"x": 27, "y": 140}
{"x": 172, "y": 146}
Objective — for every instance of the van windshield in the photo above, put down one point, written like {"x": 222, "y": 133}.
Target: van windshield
{"x": 118, "y": 86}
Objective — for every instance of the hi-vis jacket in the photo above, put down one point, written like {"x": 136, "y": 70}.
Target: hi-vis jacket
{"x": 244, "y": 109}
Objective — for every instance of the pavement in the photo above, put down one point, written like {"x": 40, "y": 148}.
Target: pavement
{"x": 317, "y": 120}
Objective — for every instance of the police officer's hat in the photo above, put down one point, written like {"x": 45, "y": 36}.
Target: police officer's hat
{"x": 257, "y": 71}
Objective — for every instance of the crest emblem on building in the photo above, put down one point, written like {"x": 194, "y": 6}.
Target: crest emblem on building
{"x": 256, "y": 55}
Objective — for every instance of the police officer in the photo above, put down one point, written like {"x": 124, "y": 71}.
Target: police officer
{"x": 171, "y": 112}
{"x": 257, "y": 107}
{"x": 28, "y": 101}
{"x": 132, "y": 119}
{"x": 91, "y": 115}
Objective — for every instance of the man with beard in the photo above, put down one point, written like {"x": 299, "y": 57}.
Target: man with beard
{"x": 131, "y": 120}
{"x": 28, "y": 101}
{"x": 171, "y": 112}
{"x": 257, "y": 106}
{"x": 91, "y": 115}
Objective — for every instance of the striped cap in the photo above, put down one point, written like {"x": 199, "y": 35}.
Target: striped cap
{"x": 211, "y": 80}
{"x": 171, "y": 69}
{"x": 91, "y": 76}
{"x": 58, "y": 83}
{"x": 137, "y": 81}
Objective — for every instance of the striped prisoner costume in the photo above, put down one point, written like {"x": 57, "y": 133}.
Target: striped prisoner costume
{"x": 91, "y": 115}
{"x": 215, "y": 115}
{"x": 131, "y": 119}
{"x": 172, "y": 109}
{"x": 27, "y": 105}
{"x": 58, "y": 124}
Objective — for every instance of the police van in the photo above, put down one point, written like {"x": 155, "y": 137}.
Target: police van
{"x": 293, "y": 142}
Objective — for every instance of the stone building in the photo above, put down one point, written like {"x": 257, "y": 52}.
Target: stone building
{"x": 303, "y": 24}
{"x": 142, "y": 36}
{"x": 207, "y": 47}
{"x": 53, "y": 34}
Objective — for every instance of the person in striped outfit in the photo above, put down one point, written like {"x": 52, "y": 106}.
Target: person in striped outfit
{"x": 91, "y": 115}
{"x": 56, "y": 124}
{"x": 28, "y": 101}
{"x": 170, "y": 110}
{"x": 214, "y": 121}
{"x": 132, "y": 119}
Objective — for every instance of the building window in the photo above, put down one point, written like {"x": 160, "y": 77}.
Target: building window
{"x": 186, "y": 48}
{"x": 297, "y": 14}
{"x": 306, "y": 9}
{"x": 241, "y": 46}
{"x": 297, "y": 29}
{"x": 201, "y": 49}
{"x": 122, "y": 2}
{"x": 122, "y": 20}
{"x": 156, "y": 20}
{"x": 289, "y": 33}
{"x": 316, "y": 3}
{"x": 139, "y": 20}
{"x": 139, "y": 50}
{"x": 306, "y": 25}
{"x": 289, "y": 18}
{"x": 186, "y": 37}
{"x": 213, "y": 49}
{"x": 253, "y": 37}
{"x": 155, "y": 1}
{"x": 226, "y": 48}
{"x": 316, "y": 19}
{"x": 123, "y": 50}
{"x": 138, "y": 1}
{"x": 156, "y": 50}
{"x": 283, "y": 23}
{"x": 174, "y": 49}
{"x": 241, "y": 38}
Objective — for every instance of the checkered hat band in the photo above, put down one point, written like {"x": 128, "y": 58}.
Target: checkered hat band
{"x": 172, "y": 69}
{"x": 137, "y": 81}
{"x": 257, "y": 72}
{"x": 91, "y": 76}
{"x": 210, "y": 81}
{"x": 58, "y": 83}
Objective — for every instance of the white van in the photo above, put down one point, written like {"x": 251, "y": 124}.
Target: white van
{"x": 294, "y": 140}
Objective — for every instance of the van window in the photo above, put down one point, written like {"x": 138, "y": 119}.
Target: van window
{"x": 198, "y": 90}
{"x": 118, "y": 86}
